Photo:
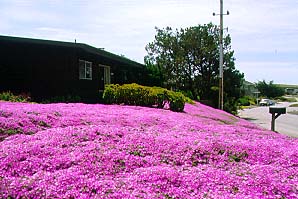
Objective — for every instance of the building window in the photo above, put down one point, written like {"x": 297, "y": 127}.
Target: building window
{"x": 85, "y": 69}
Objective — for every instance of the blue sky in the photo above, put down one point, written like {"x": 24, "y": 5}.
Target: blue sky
{"x": 264, "y": 33}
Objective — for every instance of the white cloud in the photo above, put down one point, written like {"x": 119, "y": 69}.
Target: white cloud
{"x": 258, "y": 28}
{"x": 263, "y": 26}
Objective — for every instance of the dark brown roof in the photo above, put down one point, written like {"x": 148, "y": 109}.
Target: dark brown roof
{"x": 88, "y": 48}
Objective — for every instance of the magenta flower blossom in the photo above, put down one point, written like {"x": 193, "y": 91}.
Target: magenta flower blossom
{"x": 112, "y": 151}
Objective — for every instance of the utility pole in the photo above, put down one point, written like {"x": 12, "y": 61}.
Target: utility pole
{"x": 221, "y": 86}
{"x": 221, "y": 55}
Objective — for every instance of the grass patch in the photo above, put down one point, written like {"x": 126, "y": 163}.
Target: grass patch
{"x": 293, "y": 112}
{"x": 291, "y": 99}
{"x": 294, "y": 105}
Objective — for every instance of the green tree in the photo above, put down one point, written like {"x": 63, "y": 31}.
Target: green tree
{"x": 188, "y": 60}
{"x": 269, "y": 89}
{"x": 154, "y": 76}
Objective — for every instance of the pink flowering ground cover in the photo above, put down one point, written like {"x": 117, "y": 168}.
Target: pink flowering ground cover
{"x": 112, "y": 151}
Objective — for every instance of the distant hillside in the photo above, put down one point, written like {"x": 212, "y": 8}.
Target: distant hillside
{"x": 113, "y": 151}
{"x": 287, "y": 86}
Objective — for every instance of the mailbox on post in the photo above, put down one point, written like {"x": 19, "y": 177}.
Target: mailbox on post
{"x": 276, "y": 112}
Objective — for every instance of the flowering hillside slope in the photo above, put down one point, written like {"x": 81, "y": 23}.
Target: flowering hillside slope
{"x": 112, "y": 151}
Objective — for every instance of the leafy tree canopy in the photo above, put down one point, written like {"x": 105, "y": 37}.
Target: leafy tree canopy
{"x": 188, "y": 60}
{"x": 269, "y": 89}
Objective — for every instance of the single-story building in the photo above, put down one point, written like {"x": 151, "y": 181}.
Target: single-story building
{"x": 47, "y": 69}
{"x": 291, "y": 91}
{"x": 250, "y": 89}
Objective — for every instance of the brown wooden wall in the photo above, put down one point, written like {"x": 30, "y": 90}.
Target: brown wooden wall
{"x": 46, "y": 70}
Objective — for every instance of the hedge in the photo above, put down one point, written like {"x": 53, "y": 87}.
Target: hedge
{"x": 134, "y": 94}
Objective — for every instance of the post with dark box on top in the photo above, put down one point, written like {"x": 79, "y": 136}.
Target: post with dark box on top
{"x": 276, "y": 112}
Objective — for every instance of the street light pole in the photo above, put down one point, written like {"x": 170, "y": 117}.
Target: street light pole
{"x": 221, "y": 86}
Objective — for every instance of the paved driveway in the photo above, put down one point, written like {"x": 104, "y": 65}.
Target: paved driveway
{"x": 285, "y": 124}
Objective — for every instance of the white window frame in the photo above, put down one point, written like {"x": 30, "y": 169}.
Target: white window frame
{"x": 85, "y": 69}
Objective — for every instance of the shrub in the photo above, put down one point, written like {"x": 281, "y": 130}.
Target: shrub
{"x": 230, "y": 106}
{"x": 177, "y": 101}
{"x": 9, "y": 96}
{"x": 134, "y": 94}
{"x": 110, "y": 93}
{"x": 188, "y": 94}
{"x": 281, "y": 99}
{"x": 246, "y": 101}
{"x": 62, "y": 99}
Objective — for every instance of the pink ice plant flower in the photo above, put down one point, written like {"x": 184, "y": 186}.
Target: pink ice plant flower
{"x": 113, "y": 151}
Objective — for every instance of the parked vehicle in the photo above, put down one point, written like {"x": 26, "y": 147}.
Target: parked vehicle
{"x": 266, "y": 102}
